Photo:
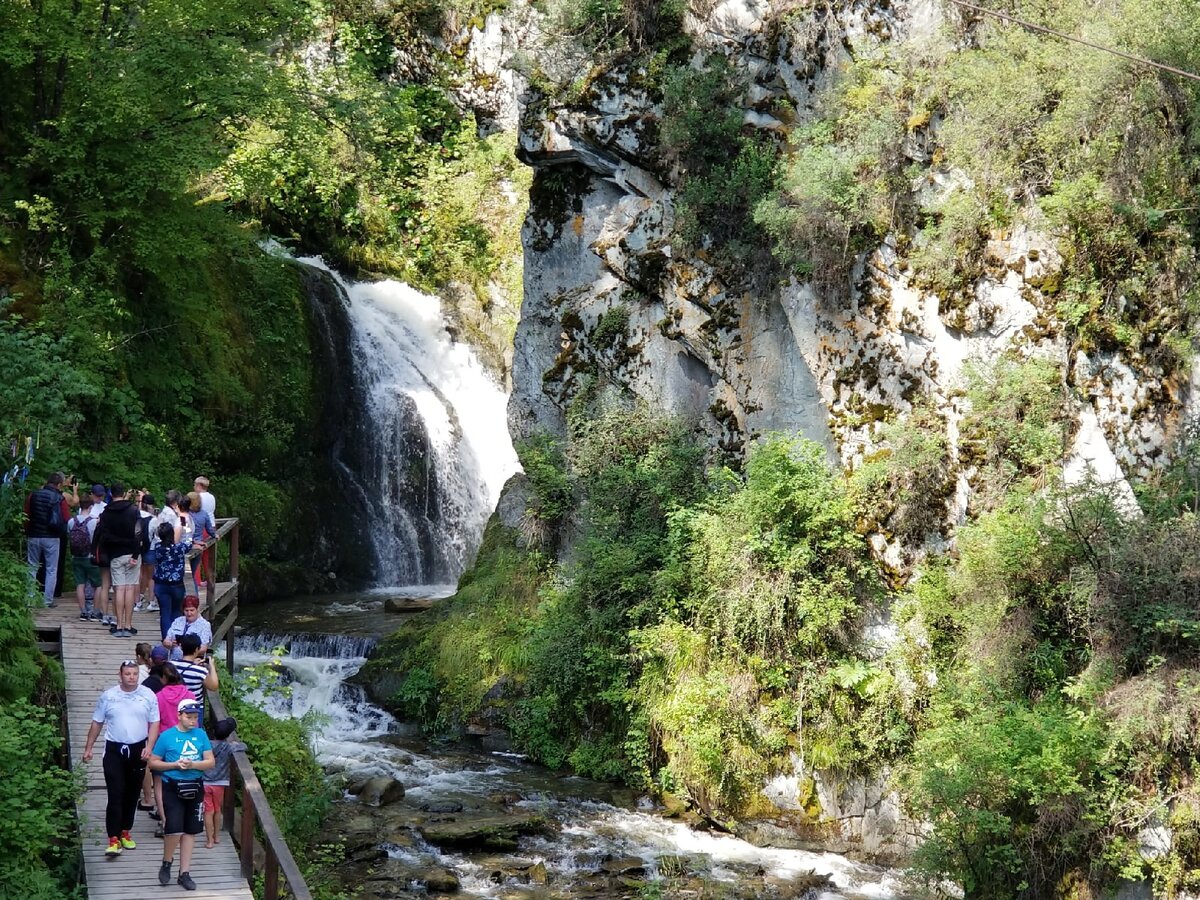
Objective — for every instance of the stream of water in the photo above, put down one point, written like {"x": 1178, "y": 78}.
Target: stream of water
{"x": 327, "y": 640}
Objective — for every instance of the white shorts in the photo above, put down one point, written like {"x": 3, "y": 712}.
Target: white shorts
{"x": 125, "y": 571}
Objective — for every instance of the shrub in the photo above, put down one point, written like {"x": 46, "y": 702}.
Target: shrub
{"x": 1014, "y": 428}
{"x": 724, "y": 174}
{"x": 1014, "y": 794}
{"x": 37, "y": 795}
{"x": 778, "y": 565}
{"x": 838, "y": 189}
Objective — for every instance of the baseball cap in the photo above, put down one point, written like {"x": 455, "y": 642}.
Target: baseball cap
{"x": 188, "y": 706}
{"x": 159, "y": 653}
{"x": 98, "y": 490}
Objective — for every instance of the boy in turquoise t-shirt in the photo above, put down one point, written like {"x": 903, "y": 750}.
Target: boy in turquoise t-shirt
{"x": 182, "y": 754}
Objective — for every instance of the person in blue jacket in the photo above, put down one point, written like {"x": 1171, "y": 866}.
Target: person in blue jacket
{"x": 182, "y": 754}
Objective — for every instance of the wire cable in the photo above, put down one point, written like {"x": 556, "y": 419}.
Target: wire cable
{"x": 1140, "y": 60}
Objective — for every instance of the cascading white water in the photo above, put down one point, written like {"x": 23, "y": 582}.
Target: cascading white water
{"x": 356, "y": 737}
{"x": 429, "y": 451}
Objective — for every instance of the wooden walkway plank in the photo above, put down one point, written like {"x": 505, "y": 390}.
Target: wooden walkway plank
{"x": 91, "y": 657}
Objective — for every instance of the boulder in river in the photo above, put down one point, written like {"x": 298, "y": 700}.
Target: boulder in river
{"x": 628, "y": 866}
{"x": 490, "y": 832}
{"x": 398, "y": 878}
{"x": 380, "y": 791}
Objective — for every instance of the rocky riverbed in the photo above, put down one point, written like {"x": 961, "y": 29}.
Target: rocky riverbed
{"x": 420, "y": 819}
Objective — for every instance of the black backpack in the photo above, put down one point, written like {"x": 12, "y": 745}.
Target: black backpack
{"x": 141, "y": 531}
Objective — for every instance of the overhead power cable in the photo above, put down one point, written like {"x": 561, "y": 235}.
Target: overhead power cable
{"x": 1140, "y": 60}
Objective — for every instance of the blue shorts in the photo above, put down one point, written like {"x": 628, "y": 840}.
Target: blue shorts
{"x": 150, "y": 557}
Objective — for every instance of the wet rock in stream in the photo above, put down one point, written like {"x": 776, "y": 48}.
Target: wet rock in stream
{"x": 398, "y": 878}
{"x": 378, "y": 791}
{"x": 488, "y": 832}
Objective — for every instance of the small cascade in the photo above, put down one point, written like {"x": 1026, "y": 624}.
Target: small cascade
{"x": 424, "y": 449}
{"x": 593, "y": 822}
{"x": 298, "y": 646}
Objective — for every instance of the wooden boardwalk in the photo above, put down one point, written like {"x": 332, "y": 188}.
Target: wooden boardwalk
{"x": 91, "y": 657}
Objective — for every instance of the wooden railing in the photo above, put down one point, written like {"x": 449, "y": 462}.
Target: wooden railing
{"x": 222, "y": 611}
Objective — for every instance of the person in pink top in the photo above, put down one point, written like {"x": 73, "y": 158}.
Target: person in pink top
{"x": 172, "y": 692}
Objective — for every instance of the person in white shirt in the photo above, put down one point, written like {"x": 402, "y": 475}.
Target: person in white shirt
{"x": 191, "y": 622}
{"x": 128, "y": 714}
{"x": 207, "y": 501}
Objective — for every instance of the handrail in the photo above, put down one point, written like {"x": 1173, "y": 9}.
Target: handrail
{"x": 222, "y": 614}
{"x": 256, "y": 808}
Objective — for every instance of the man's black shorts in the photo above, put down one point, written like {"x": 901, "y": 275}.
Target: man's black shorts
{"x": 182, "y": 816}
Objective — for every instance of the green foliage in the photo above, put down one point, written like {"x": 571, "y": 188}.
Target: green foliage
{"x": 1014, "y": 428}
{"x": 904, "y": 488}
{"x": 779, "y": 565}
{"x": 259, "y": 506}
{"x": 614, "y": 29}
{"x": 35, "y": 789}
{"x": 612, "y": 330}
{"x": 837, "y": 192}
{"x": 447, "y": 659}
{"x": 1146, "y": 598}
{"x": 21, "y": 663}
{"x": 948, "y": 252}
{"x": 1079, "y": 138}
{"x": 724, "y": 174}
{"x": 1015, "y": 794}
{"x": 551, "y": 496}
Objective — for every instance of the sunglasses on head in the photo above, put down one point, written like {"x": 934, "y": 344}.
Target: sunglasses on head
{"x": 128, "y": 662}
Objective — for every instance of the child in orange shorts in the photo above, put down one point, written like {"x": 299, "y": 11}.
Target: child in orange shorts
{"x": 216, "y": 779}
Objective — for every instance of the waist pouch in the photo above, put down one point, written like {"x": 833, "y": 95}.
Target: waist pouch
{"x": 189, "y": 790}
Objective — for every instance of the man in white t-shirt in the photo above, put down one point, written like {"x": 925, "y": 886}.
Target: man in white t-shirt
{"x": 128, "y": 714}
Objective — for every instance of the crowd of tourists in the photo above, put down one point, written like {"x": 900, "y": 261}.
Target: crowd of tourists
{"x": 126, "y": 552}
{"x": 158, "y": 758}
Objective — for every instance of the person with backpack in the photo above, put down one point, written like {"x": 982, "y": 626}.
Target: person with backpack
{"x": 46, "y": 514}
{"x": 81, "y": 530}
{"x": 119, "y": 541}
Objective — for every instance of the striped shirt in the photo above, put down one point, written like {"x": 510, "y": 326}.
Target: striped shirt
{"x": 193, "y": 675}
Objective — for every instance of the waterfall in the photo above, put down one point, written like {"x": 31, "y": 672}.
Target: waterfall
{"x": 425, "y": 448}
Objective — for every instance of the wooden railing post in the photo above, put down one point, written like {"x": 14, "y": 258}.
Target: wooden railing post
{"x": 271, "y": 876}
{"x": 246, "y": 844}
{"x": 233, "y": 551}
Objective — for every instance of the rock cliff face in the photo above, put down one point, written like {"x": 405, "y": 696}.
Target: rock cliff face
{"x": 612, "y": 304}
{"x": 599, "y": 256}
